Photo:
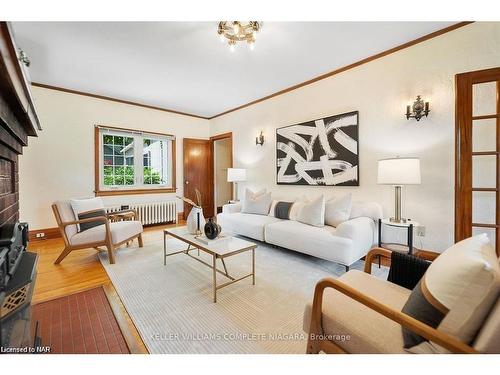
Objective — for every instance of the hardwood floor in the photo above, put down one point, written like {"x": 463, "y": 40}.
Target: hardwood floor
{"x": 81, "y": 270}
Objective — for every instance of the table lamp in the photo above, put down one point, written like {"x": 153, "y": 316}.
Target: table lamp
{"x": 236, "y": 175}
{"x": 398, "y": 172}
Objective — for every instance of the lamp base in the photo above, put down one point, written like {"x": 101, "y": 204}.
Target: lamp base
{"x": 399, "y": 221}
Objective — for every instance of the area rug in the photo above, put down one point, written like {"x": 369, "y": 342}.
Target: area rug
{"x": 81, "y": 323}
{"x": 173, "y": 310}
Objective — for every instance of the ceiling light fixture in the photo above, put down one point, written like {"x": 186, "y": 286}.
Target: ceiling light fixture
{"x": 239, "y": 31}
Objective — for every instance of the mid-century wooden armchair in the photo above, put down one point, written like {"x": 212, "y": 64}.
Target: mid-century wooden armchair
{"x": 358, "y": 313}
{"x": 109, "y": 234}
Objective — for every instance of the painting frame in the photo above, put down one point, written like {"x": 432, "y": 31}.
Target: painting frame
{"x": 331, "y": 140}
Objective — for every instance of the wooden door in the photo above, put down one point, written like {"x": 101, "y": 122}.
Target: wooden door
{"x": 477, "y": 163}
{"x": 197, "y": 174}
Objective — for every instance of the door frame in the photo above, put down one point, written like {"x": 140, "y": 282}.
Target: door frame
{"x": 218, "y": 137}
{"x": 463, "y": 150}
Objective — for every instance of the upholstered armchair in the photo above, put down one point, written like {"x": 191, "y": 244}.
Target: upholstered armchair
{"x": 109, "y": 234}
{"x": 359, "y": 313}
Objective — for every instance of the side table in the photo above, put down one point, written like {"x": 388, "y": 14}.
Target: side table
{"x": 409, "y": 225}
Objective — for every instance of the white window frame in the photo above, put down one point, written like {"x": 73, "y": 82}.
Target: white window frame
{"x": 138, "y": 165}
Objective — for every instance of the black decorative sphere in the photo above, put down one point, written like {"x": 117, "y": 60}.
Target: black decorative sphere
{"x": 212, "y": 229}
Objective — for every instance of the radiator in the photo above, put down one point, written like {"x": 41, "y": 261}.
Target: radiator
{"x": 152, "y": 213}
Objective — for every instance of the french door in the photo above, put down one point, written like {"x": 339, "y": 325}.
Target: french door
{"x": 477, "y": 161}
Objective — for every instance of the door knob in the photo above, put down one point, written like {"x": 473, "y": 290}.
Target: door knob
{"x": 187, "y": 182}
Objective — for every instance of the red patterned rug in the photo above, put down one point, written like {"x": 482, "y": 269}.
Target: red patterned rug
{"x": 82, "y": 323}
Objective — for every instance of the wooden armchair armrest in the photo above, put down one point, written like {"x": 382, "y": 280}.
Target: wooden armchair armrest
{"x": 372, "y": 254}
{"x": 443, "y": 339}
{"x": 87, "y": 220}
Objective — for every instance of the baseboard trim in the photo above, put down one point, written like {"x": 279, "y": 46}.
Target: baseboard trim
{"x": 50, "y": 233}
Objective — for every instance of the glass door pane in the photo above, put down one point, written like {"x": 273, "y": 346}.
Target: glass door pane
{"x": 484, "y": 99}
{"x": 484, "y": 135}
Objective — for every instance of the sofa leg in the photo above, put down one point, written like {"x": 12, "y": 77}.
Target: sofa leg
{"x": 346, "y": 268}
{"x": 141, "y": 244}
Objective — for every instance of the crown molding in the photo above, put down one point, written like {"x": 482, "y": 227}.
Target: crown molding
{"x": 76, "y": 92}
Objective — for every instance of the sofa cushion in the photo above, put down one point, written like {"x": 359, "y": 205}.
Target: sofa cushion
{"x": 368, "y": 331}
{"x": 458, "y": 290}
{"x": 256, "y": 204}
{"x": 120, "y": 231}
{"x": 313, "y": 212}
{"x": 338, "y": 210}
{"x": 320, "y": 242}
{"x": 248, "y": 225}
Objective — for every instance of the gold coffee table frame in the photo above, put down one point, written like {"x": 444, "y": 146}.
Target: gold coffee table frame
{"x": 214, "y": 253}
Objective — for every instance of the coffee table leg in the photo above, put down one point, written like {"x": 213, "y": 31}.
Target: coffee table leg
{"x": 214, "y": 277}
{"x": 253, "y": 266}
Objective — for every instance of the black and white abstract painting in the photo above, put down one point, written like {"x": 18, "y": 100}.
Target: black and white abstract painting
{"x": 319, "y": 152}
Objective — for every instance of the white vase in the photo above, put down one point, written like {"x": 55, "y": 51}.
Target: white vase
{"x": 192, "y": 220}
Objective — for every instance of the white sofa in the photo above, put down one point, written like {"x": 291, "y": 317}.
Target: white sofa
{"x": 345, "y": 244}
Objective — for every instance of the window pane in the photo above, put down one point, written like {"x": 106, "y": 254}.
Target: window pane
{"x": 128, "y": 141}
{"x": 107, "y": 150}
{"x": 108, "y": 160}
{"x": 107, "y": 139}
{"x": 118, "y": 140}
{"x": 129, "y": 171}
{"x": 108, "y": 171}
{"x": 119, "y": 160}
{"x": 129, "y": 180}
{"x": 108, "y": 180}
{"x": 119, "y": 171}
{"x": 118, "y": 150}
{"x": 119, "y": 180}
{"x": 155, "y": 162}
{"x": 129, "y": 160}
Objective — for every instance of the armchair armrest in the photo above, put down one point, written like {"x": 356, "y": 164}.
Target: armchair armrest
{"x": 443, "y": 339}
{"x": 231, "y": 208}
{"x": 122, "y": 212}
{"x": 104, "y": 219}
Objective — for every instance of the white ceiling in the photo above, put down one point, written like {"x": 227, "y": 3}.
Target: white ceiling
{"x": 183, "y": 66}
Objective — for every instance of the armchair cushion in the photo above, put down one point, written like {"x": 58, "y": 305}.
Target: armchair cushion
{"x": 67, "y": 214}
{"x": 120, "y": 231}
{"x": 457, "y": 291}
{"x": 85, "y": 208}
{"x": 368, "y": 331}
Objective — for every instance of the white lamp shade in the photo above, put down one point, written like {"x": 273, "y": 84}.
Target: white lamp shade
{"x": 236, "y": 174}
{"x": 399, "y": 171}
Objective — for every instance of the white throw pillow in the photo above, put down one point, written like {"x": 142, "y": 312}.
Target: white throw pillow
{"x": 80, "y": 206}
{"x": 338, "y": 210}
{"x": 313, "y": 212}
{"x": 258, "y": 204}
{"x": 462, "y": 284}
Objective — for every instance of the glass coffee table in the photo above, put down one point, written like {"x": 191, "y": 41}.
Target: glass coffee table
{"x": 218, "y": 250}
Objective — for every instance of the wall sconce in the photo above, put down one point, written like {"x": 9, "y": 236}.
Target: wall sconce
{"x": 260, "y": 139}
{"x": 419, "y": 109}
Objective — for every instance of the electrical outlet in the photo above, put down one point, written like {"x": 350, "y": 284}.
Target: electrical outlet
{"x": 421, "y": 231}
{"x": 40, "y": 235}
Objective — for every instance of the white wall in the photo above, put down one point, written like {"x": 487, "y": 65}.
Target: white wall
{"x": 59, "y": 163}
{"x": 380, "y": 91}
